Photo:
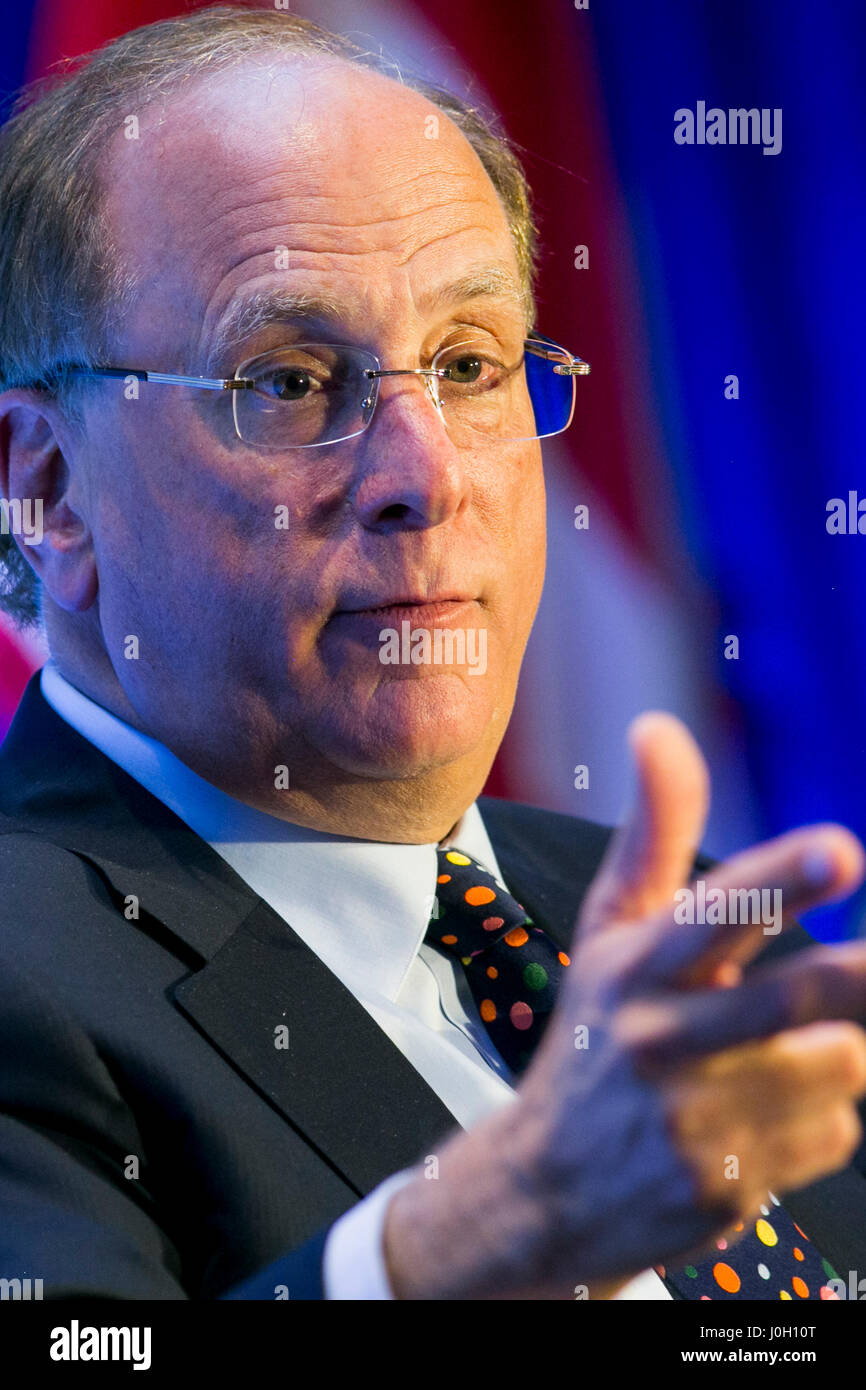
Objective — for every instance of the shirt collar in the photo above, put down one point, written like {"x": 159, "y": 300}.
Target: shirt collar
{"x": 363, "y": 906}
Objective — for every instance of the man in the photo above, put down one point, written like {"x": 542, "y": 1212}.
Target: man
{"x": 233, "y": 831}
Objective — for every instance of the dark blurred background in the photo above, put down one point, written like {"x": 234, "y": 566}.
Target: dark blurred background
{"x": 707, "y": 515}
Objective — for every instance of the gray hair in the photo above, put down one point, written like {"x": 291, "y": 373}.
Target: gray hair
{"x": 63, "y": 286}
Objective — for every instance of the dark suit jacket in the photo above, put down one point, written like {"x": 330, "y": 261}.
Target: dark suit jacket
{"x": 152, "y": 1037}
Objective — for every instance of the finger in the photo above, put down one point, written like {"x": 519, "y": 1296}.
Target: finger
{"x": 653, "y": 852}
{"x": 800, "y": 870}
{"x": 781, "y": 1157}
{"x": 770, "y": 1082}
{"x": 807, "y": 1147}
{"x": 823, "y": 983}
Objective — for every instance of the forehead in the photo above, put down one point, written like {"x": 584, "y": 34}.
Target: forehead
{"x": 363, "y": 182}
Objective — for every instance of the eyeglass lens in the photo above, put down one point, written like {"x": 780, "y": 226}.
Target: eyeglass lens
{"x": 317, "y": 393}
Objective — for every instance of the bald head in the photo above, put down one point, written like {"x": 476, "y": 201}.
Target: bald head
{"x": 361, "y": 182}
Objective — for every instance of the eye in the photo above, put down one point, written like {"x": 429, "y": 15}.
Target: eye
{"x": 289, "y": 383}
{"x": 467, "y": 368}
{"x": 471, "y": 367}
{"x": 297, "y": 374}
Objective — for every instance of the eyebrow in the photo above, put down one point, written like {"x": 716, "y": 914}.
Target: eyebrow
{"x": 259, "y": 310}
{"x": 491, "y": 281}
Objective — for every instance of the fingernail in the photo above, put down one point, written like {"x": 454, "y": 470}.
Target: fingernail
{"x": 818, "y": 868}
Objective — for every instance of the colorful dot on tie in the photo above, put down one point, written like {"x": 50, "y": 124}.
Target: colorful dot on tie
{"x": 476, "y": 897}
{"x": 722, "y": 1244}
{"x": 798, "y": 1254}
{"x": 516, "y": 937}
{"x": 763, "y": 1271}
{"x": 535, "y": 976}
{"x": 828, "y": 1269}
{"x": 825, "y": 1293}
{"x": 521, "y": 1015}
{"x": 726, "y": 1278}
{"x": 465, "y": 960}
{"x": 454, "y": 857}
{"x": 799, "y": 1232}
{"x": 739, "y": 1226}
{"x": 765, "y": 1233}
{"x": 765, "y": 1211}
{"x": 564, "y": 959}
{"x": 691, "y": 1271}
{"x": 449, "y": 941}
{"x": 444, "y": 878}
{"x": 785, "y": 1296}
{"x": 800, "y": 1288}
{"x": 488, "y": 1010}
{"x": 492, "y": 972}
{"x": 774, "y": 1200}
{"x": 493, "y": 923}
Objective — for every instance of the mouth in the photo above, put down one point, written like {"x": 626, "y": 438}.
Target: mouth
{"x": 434, "y": 611}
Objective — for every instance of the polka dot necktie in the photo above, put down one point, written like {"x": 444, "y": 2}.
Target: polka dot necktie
{"x": 512, "y": 966}
{"x": 772, "y": 1259}
{"x": 513, "y": 969}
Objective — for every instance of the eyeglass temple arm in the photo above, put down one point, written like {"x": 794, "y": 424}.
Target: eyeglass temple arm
{"x": 206, "y": 383}
{"x": 576, "y": 367}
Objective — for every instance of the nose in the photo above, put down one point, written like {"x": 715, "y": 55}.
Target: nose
{"x": 409, "y": 474}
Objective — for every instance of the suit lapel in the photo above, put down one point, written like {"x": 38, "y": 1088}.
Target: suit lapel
{"x": 341, "y": 1081}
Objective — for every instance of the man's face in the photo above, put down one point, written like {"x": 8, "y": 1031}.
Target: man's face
{"x": 253, "y": 649}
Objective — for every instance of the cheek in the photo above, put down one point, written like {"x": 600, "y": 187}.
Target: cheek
{"x": 174, "y": 504}
{"x": 532, "y": 518}
{"x": 523, "y": 533}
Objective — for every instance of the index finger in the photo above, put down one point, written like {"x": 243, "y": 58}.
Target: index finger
{"x": 805, "y": 867}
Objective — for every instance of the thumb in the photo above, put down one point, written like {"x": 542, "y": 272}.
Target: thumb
{"x": 651, "y": 855}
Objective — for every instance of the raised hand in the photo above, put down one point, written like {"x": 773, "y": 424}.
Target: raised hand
{"x": 659, "y": 1064}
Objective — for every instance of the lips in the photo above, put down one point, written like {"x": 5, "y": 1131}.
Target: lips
{"x": 420, "y": 612}
{"x": 375, "y": 604}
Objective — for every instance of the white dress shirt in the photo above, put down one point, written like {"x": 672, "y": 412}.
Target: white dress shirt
{"x": 363, "y": 907}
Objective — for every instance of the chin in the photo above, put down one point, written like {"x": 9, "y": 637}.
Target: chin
{"x": 412, "y": 726}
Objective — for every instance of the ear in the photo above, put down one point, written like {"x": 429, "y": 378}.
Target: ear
{"x": 44, "y": 508}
